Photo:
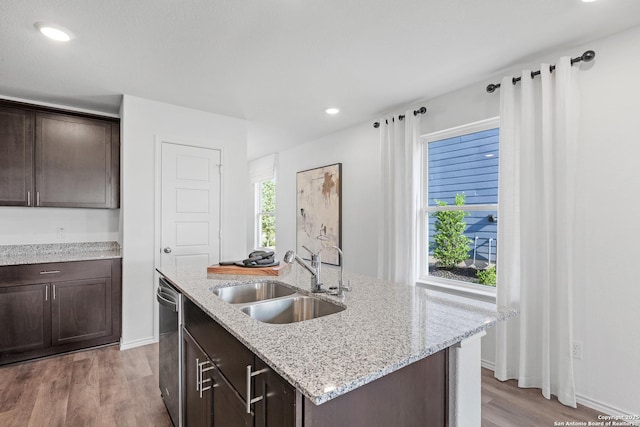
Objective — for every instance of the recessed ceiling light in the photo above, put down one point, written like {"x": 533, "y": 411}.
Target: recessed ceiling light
{"x": 588, "y": 1}
{"x": 332, "y": 111}
{"x": 54, "y": 32}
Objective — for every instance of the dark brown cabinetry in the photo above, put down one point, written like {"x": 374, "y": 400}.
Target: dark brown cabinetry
{"x": 27, "y": 309}
{"x": 16, "y": 156}
{"x": 198, "y": 402}
{"x": 233, "y": 367}
{"x": 52, "y": 308}
{"x": 278, "y": 403}
{"x": 415, "y": 395}
{"x": 81, "y": 310}
{"x": 58, "y": 159}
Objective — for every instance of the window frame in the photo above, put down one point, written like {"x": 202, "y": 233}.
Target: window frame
{"x": 257, "y": 225}
{"x": 424, "y": 210}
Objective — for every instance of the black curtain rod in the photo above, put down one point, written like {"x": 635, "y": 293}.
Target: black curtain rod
{"x": 586, "y": 57}
{"x": 420, "y": 110}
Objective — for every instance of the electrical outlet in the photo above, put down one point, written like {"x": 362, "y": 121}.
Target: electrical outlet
{"x": 576, "y": 350}
{"x": 61, "y": 236}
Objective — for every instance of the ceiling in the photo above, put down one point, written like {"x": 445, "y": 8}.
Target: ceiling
{"x": 280, "y": 63}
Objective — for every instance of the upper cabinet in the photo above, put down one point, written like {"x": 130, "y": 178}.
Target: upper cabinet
{"x": 58, "y": 159}
{"x": 16, "y": 156}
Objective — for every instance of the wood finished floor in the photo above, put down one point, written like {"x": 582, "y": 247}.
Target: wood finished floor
{"x": 100, "y": 387}
{"x": 504, "y": 404}
{"x": 108, "y": 387}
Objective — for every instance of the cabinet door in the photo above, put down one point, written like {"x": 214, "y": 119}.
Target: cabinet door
{"x": 25, "y": 318}
{"x": 228, "y": 408}
{"x": 16, "y": 157}
{"x": 277, "y": 407}
{"x": 81, "y": 310}
{"x": 198, "y": 406}
{"x": 74, "y": 162}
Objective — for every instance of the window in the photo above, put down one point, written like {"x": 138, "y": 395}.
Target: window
{"x": 262, "y": 174}
{"x": 460, "y": 205}
{"x": 266, "y": 214}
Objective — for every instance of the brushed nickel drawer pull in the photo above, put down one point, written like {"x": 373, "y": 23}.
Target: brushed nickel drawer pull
{"x": 202, "y": 370}
{"x": 50, "y": 272}
{"x": 249, "y": 400}
{"x": 28, "y": 198}
{"x": 54, "y": 291}
{"x": 46, "y": 293}
{"x": 37, "y": 198}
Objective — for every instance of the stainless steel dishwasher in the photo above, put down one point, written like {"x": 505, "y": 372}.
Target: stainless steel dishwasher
{"x": 170, "y": 349}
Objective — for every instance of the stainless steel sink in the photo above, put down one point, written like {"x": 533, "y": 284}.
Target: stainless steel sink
{"x": 251, "y": 292}
{"x": 290, "y": 310}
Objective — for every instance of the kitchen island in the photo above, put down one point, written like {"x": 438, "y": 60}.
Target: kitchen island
{"x": 384, "y": 328}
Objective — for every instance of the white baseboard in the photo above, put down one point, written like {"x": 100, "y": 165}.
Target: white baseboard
{"x": 137, "y": 343}
{"x": 607, "y": 409}
{"x": 488, "y": 364}
{"x": 587, "y": 401}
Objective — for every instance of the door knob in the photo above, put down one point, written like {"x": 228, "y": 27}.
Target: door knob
{"x": 167, "y": 250}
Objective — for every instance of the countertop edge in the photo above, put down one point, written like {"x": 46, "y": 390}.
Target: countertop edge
{"x": 318, "y": 399}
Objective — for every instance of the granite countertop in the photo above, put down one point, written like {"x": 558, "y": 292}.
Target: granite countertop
{"x": 57, "y": 252}
{"x": 385, "y": 327}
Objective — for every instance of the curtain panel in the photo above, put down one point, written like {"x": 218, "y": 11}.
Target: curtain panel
{"x": 538, "y": 155}
{"x": 398, "y": 211}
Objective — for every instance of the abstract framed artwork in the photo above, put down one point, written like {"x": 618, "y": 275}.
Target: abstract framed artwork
{"x": 319, "y": 212}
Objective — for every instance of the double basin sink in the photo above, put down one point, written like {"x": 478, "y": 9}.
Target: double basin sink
{"x": 273, "y": 302}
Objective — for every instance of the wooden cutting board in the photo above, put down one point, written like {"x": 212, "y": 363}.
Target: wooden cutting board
{"x": 277, "y": 270}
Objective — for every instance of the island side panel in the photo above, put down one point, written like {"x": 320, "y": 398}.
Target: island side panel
{"x": 415, "y": 395}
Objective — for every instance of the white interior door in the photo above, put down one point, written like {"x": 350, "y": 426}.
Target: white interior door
{"x": 190, "y": 199}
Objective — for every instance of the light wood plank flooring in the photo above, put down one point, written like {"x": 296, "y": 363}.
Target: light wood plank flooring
{"x": 100, "y": 387}
{"x": 108, "y": 387}
{"x": 504, "y": 404}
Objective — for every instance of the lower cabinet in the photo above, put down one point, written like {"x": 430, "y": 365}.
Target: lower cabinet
{"x": 227, "y": 385}
{"x": 25, "y": 318}
{"x": 81, "y": 310}
{"x": 237, "y": 389}
{"x": 198, "y": 385}
{"x": 53, "y": 308}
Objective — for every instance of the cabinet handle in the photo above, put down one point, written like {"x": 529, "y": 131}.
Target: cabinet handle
{"x": 28, "y": 198}
{"x": 54, "y": 291}
{"x": 199, "y": 381}
{"x": 202, "y": 380}
{"x": 249, "y": 401}
{"x": 197, "y": 374}
{"x": 37, "y": 198}
{"x": 50, "y": 272}
{"x": 46, "y": 293}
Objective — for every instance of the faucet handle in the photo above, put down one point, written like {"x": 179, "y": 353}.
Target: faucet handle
{"x": 308, "y": 250}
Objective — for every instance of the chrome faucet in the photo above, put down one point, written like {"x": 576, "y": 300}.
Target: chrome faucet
{"x": 313, "y": 268}
{"x": 341, "y": 288}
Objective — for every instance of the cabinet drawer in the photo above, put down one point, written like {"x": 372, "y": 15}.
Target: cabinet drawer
{"x": 230, "y": 355}
{"x": 54, "y": 272}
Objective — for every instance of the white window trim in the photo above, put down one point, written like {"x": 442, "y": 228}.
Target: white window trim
{"x": 447, "y": 285}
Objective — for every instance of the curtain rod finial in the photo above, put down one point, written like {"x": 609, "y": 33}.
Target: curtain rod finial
{"x": 492, "y": 88}
{"x": 421, "y": 110}
{"x": 588, "y": 56}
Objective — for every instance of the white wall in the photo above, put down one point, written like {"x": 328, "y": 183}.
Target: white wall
{"x": 357, "y": 149}
{"x": 19, "y": 225}
{"x": 606, "y": 314}
{"x": 142, "y": 120}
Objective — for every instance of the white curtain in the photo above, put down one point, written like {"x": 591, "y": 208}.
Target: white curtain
{"x": 400, "y": 180}
{"x": 263, "y": 169}
{"x": 538, "y": 155}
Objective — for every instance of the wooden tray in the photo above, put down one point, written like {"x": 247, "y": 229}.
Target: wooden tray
{"x": 277, "y": 270}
